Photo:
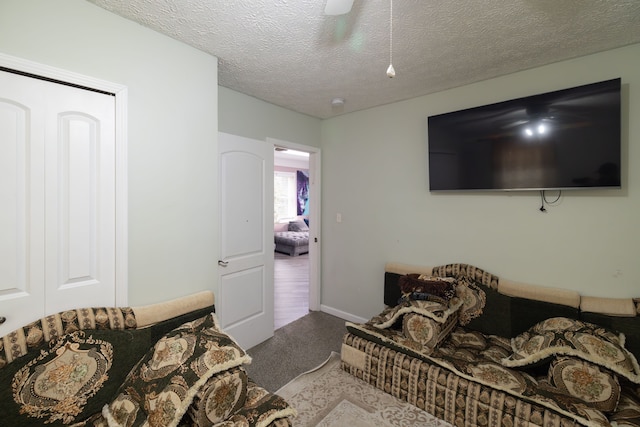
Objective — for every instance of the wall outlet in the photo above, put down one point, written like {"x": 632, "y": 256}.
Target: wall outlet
{"x": 338, "y": 217}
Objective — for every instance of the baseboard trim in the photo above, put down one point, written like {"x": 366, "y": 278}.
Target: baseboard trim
{"x": 342, "y": 314}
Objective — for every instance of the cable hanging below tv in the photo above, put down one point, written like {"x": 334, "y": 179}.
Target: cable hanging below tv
{"x": 561, "y": 140}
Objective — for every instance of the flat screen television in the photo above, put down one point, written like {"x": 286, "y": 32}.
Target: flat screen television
{"x": 566, "y": 139}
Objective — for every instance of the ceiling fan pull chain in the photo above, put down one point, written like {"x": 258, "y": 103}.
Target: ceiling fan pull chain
{"x": 391, "y": 72}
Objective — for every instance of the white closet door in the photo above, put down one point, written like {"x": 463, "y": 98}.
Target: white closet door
{"x": 22, "y": 198}
{"x": 58, "y": 176}
{"x": 80, "y": 199}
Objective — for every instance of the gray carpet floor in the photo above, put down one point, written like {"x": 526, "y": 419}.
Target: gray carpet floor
{"x": 294, "y": 349}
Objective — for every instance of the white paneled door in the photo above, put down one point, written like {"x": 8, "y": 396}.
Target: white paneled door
{"x": 57, "y": 189}
{"x": 245, "y": 297}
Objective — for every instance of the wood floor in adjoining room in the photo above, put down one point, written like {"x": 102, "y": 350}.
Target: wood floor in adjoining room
{"x": 291, "y": 288}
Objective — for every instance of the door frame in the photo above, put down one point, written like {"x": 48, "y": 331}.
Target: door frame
{"x": 315, "y": 243}
{"x": 120, "y": 92}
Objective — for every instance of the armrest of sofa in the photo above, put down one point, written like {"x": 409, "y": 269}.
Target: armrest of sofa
{"x": 147, "y": 315}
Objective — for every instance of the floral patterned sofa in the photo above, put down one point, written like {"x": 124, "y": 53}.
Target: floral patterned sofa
{"x": 477, "y": 350}
{"x": 167, "y": 364}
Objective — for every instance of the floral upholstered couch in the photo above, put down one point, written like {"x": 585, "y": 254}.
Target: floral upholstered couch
{"x": 167, "y": 364}
{"x": 477, "y": 350}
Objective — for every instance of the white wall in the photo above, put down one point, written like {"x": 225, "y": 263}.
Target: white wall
{"x": 172, "y": 138}
{"x": 243, "y": 115}
{"x": 375, "y": 174}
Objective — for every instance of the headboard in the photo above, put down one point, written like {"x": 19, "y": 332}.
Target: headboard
{"x": 512, "y": 307}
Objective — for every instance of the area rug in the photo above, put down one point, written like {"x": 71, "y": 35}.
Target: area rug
{"x": 327, "y": 396}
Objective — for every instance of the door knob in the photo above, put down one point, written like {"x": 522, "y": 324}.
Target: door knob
{"x": 222, "y": 263}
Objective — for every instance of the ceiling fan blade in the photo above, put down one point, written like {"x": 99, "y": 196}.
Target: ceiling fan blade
{"x": 337, "y": 7}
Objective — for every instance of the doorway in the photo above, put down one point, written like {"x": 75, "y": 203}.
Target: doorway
{"x": 296, "y": 281}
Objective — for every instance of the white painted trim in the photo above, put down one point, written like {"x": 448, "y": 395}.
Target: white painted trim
{"x": 343, "y": 315}
{"x": 315, "y": 180}
{"x": 122, "y": 198}
{"x": 121, "y": 98}
{"x": 315, "y": 241}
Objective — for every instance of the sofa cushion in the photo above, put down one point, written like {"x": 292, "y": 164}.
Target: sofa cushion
{"x": 298, "y": 226}
{"x": 586, "y": 381}
{"x": 221, "y": 396}
{"x": 162, "y": 385}
{"x": 562, "y": 336}
{"x": 292, "y": 238}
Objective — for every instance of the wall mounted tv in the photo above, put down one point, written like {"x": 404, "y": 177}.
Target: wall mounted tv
{"x": 566, "y": 139}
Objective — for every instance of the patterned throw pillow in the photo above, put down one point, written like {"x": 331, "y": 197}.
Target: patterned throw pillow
{"x": 586, "y": 381}
{"x": 563, "y": 336}
{"x": 426, "y": 331}
{"x": 160, "y": 388}
{"x": 261, "y": 409}
{"x": 56, "y": 385}
{"x": 224, "y": 394}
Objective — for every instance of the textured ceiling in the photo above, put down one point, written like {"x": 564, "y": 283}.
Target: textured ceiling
{"x": 288, "y": 53}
